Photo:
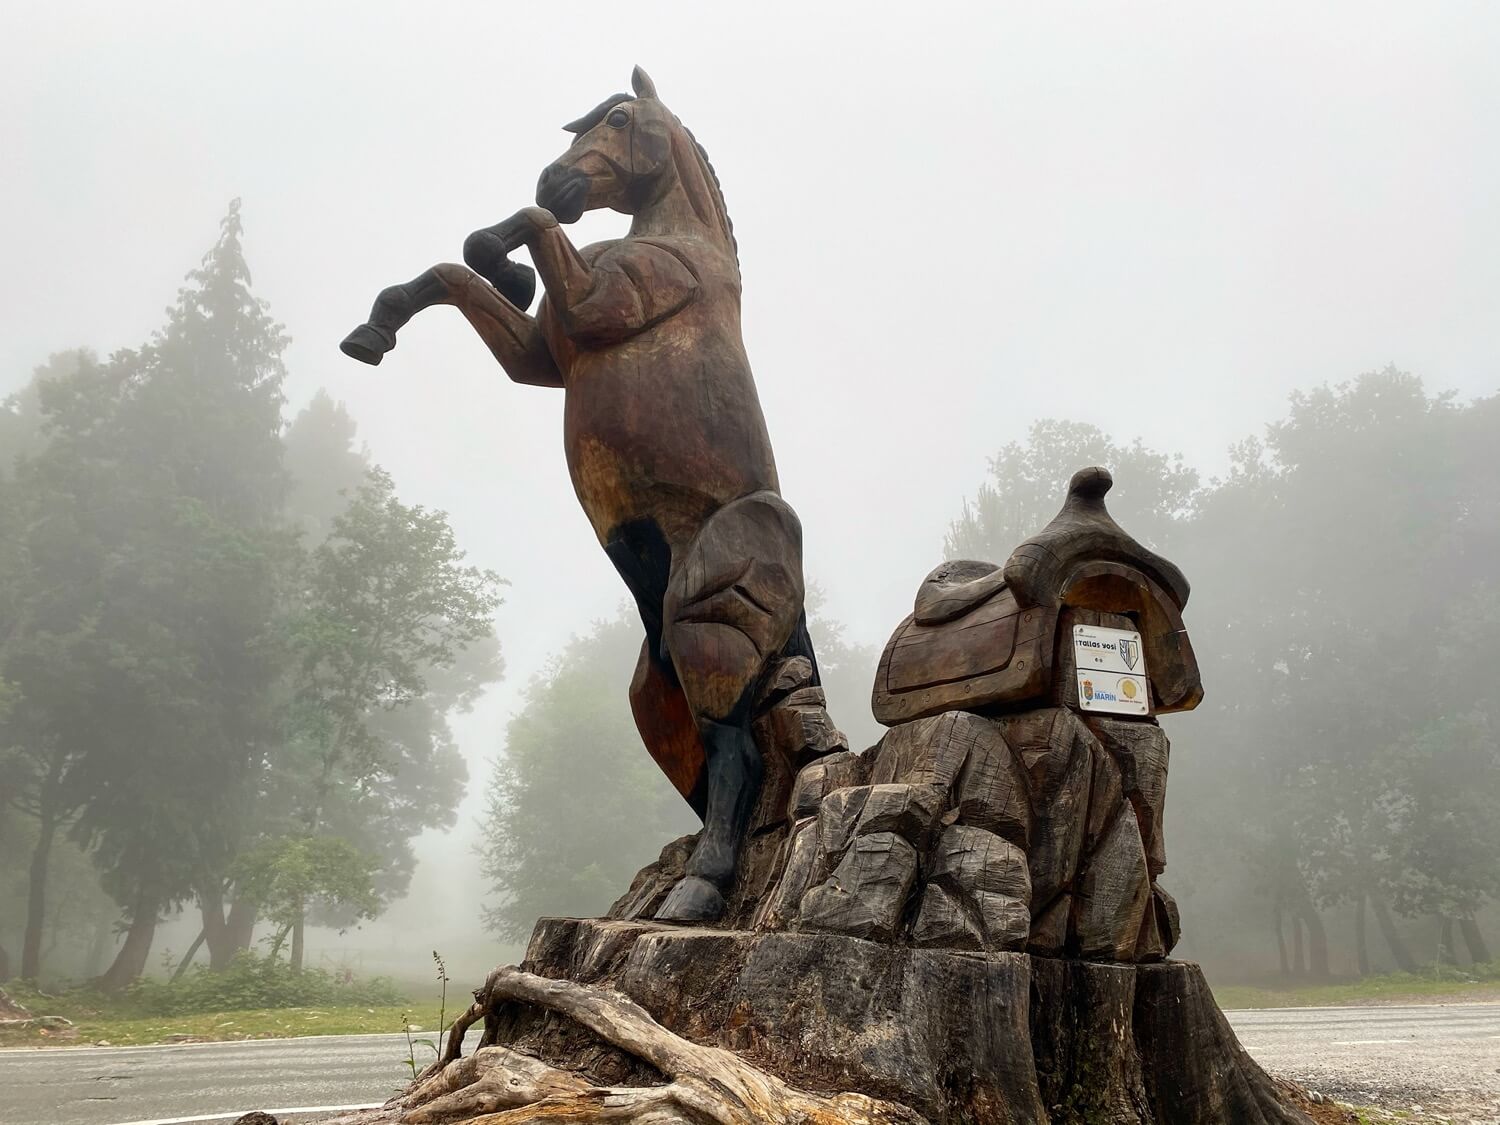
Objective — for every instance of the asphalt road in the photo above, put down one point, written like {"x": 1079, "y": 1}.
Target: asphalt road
{"x": 1393, "y": 1056}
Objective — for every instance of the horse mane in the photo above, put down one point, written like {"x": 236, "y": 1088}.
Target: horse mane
{"x": 716, "y": 190}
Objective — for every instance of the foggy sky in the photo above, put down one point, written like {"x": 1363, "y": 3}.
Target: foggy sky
{"x": 953, "y": 220}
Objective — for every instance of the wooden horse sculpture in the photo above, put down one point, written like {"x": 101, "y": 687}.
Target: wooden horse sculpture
{"x": 664, "y": 435}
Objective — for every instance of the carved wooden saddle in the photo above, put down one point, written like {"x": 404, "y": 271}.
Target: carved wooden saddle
{"x": 985, "y": 638}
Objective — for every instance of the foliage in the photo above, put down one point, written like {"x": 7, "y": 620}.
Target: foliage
{"x": 288, "y": 877}
{"x": 1476, "y": 983}
{"x": 98, "y": 1023}
{"x": 150, "y": 579}
{"x": 250, "y": 982}
{"x": 386, "y": 599}
{"x": 323, "y": 466}
{"x": 181, "y": 681}
{"x": 1343, "y": 580}
{"x": 847, "y": 671}
{"x": 1154, "y": 492}
{"x": 575, "y": 805}
{"x": 1350, "y": 550}
{"x": 256, "y": 982}
{"x": 433, "y": 1044}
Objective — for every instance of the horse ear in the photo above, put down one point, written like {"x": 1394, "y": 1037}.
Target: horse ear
{"x": 641, "y": 83}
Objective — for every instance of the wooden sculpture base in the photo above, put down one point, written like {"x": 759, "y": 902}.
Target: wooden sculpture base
{"x": 955, "y": 1037}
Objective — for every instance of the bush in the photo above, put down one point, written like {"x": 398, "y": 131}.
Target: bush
{"x": 256, "y": 982}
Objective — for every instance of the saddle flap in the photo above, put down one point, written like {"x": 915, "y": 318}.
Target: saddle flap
{"x": 997, "y": 653}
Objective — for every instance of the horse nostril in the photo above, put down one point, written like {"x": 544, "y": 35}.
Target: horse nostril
{"x": 562, "y": 189}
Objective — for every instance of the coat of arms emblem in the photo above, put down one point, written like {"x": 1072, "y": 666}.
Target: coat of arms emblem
{"x": 1130, "y": 651}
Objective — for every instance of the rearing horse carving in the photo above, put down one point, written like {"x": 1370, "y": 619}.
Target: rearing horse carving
{"x": 664, "y": 435}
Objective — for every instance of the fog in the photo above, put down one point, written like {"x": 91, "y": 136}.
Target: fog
{"x": 953, "y": 220}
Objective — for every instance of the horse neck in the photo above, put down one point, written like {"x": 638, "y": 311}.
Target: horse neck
{"x": 687, "y": 201}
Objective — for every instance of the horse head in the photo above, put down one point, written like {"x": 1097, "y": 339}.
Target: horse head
{"x": 633, "y": 155}
{"x": 621, "y": 156}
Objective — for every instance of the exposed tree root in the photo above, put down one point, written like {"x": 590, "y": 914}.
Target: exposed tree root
{"x": 706, "y": 1085}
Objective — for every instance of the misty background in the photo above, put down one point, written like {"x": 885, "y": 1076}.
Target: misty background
{"x": 954, "y": 221}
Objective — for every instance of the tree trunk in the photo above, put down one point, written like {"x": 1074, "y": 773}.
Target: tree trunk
{"x": 187, "y": 958}
{"x": 36, "y": 887}
{"x": 1446, "y": 954}
{"x": 1361, "y": 947}
{"x": 1479, "y": 952}
{"x": 48, "y": 814}
{"x": 241, "y": 925}
{"x": 1299, "y": 966}
{"x": 130, "y": 961}
{"x": 226, "y": 935}
{"x": 1280, "y": 941}
{"x": 1404, "y": 960}
{"x": 4, "y": 964}
{"x": 278, "y": 941}
{"x": 98, "y": 947}
{"x": 215, "y": 931}
{"x": 1317, "y": 936}
{"x": 298, "y": 944}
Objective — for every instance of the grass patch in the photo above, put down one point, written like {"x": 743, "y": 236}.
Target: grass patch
{"x": 1475, "y": 983}
{"x": 254, "y": 998}
{"x": 95, "y": 1026}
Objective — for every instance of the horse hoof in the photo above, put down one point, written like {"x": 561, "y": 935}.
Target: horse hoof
{"x": 366, "y": 344}
{"x": 692, "y": 900}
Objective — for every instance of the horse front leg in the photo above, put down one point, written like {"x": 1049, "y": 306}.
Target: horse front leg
{"x": 514, "y": 338}
{"x": 568, "y": 278}
{"x": 392, "y": 309}
{"x": 596, "y": 303}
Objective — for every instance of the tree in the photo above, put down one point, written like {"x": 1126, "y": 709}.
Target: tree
{"x": 1346, "y": 548}
{"x": 1154, "y": 493}
{"x": 392, "y": 633}
{"x": 289, "y": 877}
{"x": 846, "y": 669}
{"x": 154, "y": 550}
{"x": 59, "y": 502}
{"x": 180, "y": 682}
{"x": 575, "y": 805}
{"x": 323, "y": 466}
{"x": 1341, "y": 575}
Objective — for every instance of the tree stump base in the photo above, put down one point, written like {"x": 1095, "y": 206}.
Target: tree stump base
{"x": 915, "y": 1034}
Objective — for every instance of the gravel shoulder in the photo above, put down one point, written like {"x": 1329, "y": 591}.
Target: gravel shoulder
{"x": 1430, "y": 1062}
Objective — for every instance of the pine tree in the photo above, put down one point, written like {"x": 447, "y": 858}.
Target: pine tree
{"x": 159, "y": 540}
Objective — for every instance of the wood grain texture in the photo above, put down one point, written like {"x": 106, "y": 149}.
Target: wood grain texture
{"x": 867, "y": 893}
{"x": 977, "y": 893}
{"x": 1142, "y": 752}
{"x": 995, "y": 655}
{"x": 1114, "y": 891}
{"x": 1056, "y": 751}
{"x": 663, "y": 434}
{"x": 957, "y": 1037}
{"x": 1088, "y": 1070}
{"x": 1083, "y": 531}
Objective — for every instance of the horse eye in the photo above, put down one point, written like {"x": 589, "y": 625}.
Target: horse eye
{"x": 617, "y": 119}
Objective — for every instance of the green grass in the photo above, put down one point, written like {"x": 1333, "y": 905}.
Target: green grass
{"x": 93, "y": 1026}
{"x": 254, "y": 998}
{"x": 121, "y": 1021}
{"x": 1474, "y": 983}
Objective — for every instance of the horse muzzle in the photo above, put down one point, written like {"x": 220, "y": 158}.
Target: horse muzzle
{"x": 564, "y": 191}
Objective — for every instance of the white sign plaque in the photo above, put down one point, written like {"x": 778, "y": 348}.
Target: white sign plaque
{"x": 1111, "y": 670}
